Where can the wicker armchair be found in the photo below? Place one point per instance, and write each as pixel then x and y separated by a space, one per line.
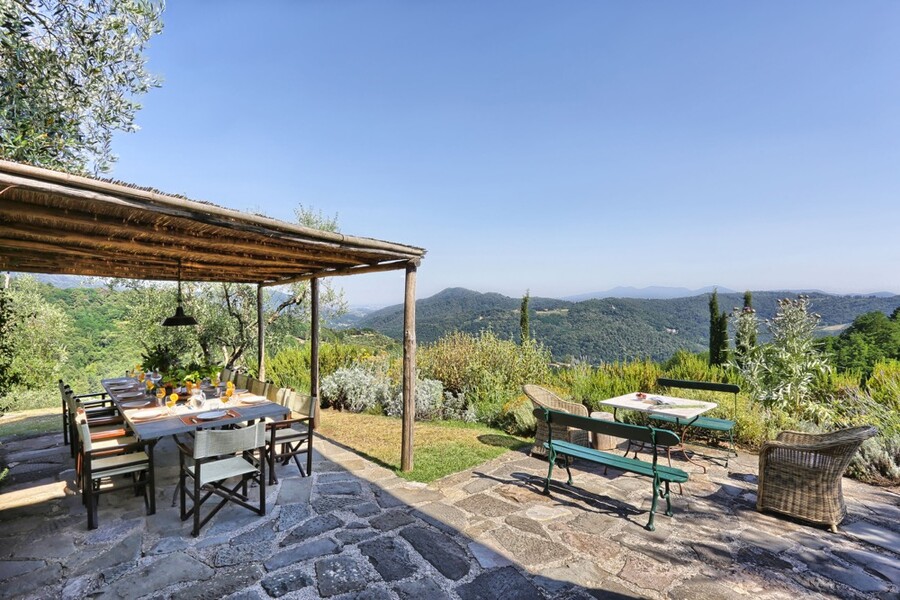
pixel 800 473
pixel 542 398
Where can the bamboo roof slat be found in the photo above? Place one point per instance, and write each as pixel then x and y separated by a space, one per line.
pixel 55 222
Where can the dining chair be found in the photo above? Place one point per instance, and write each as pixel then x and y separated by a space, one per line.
pixel 103 467
pixel 240 381
pixel 104 420
pixel 289 438
pixel 226 375
pixel 218 455
pixel 91 400
pixel 108 438
pixel 256 386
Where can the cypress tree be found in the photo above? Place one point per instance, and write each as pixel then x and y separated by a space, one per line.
pixel 714 328
pixel 748 306
pixel 718 332
pixel 524 334
pixel 722 338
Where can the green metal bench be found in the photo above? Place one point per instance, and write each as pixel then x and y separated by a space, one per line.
pixel 711 424
pixel 652 437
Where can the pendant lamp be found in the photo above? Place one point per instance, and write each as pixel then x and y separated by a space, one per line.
pixel 179 319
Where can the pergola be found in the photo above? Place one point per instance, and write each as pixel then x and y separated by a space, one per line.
pixel 54 222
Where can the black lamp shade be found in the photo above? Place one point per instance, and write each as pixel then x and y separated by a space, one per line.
pixel 179 319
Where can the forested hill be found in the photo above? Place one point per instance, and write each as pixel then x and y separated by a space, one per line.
pixel 606 329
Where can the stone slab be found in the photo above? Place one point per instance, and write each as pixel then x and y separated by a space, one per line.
pixel 225 582
pixel 178 567
pixel 389 557
pixel 391 520
pixel 421 589
pixel 280 584
pixel 440 550
pixel 874 534
pixel 302 552
pixel 340 575
pixel 501 584
pixel 295 490
pixel 312 528
pixel 487 557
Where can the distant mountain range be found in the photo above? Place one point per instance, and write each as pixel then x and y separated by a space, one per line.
pixel 606 329
pixel 654 292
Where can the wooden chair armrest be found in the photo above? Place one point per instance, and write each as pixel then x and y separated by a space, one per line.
pixel 286 423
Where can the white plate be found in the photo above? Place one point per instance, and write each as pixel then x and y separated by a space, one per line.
pixel 120 380
pixel 252 400
pixel 240 390
pixel 135 403
pixel 131 395
pixel 148 413
pixel 213 414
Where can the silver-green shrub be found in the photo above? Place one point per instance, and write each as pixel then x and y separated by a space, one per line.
pixel 782 374
pixel 432 403
pixel 356 389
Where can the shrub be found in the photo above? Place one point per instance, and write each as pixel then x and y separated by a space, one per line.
pixel 356 389
pixel 484 369
pixel 516 417
pixel 432 403
pixel 782 375
pixel 589 385
pixel 878 460
pixel 693 367
pixel 290 366
pixel 884 383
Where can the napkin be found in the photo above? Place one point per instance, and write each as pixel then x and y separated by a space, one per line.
pixel 663 401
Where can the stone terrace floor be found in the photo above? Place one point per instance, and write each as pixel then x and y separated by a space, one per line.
pixel 355 530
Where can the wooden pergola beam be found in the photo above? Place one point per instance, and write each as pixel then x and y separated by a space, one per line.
pixel 59 223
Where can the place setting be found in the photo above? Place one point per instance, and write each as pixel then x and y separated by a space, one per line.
pixel 148 414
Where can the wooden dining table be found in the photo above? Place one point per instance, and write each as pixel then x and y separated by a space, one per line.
pixel 134 402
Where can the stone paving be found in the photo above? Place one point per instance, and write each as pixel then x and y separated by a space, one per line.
pixel 355 530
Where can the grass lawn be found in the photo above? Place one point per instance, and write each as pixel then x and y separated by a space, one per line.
pixel 440 447
pixel 25 422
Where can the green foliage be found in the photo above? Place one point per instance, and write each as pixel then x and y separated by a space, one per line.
pixel 8 377
pixel 70 73
pixel 690 366
pixel 160 358
pixel 524 333
pixel 516 417
pixel 782 374
pixel 486 369
pixel 290 367
pixel 590 385
pixel 746 326
pixel 718 332
pixel 884 384
pixel 600 330
pixel 39 334
pixel 870 338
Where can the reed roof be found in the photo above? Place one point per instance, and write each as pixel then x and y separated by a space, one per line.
pixel 54 222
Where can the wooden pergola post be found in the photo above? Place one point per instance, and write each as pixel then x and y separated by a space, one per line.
pixel 409 367
pixel 314 350
pixel 261 333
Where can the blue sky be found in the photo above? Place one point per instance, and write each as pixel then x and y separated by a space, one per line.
pixel 560 147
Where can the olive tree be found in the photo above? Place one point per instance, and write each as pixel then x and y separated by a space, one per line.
pixel 70 76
